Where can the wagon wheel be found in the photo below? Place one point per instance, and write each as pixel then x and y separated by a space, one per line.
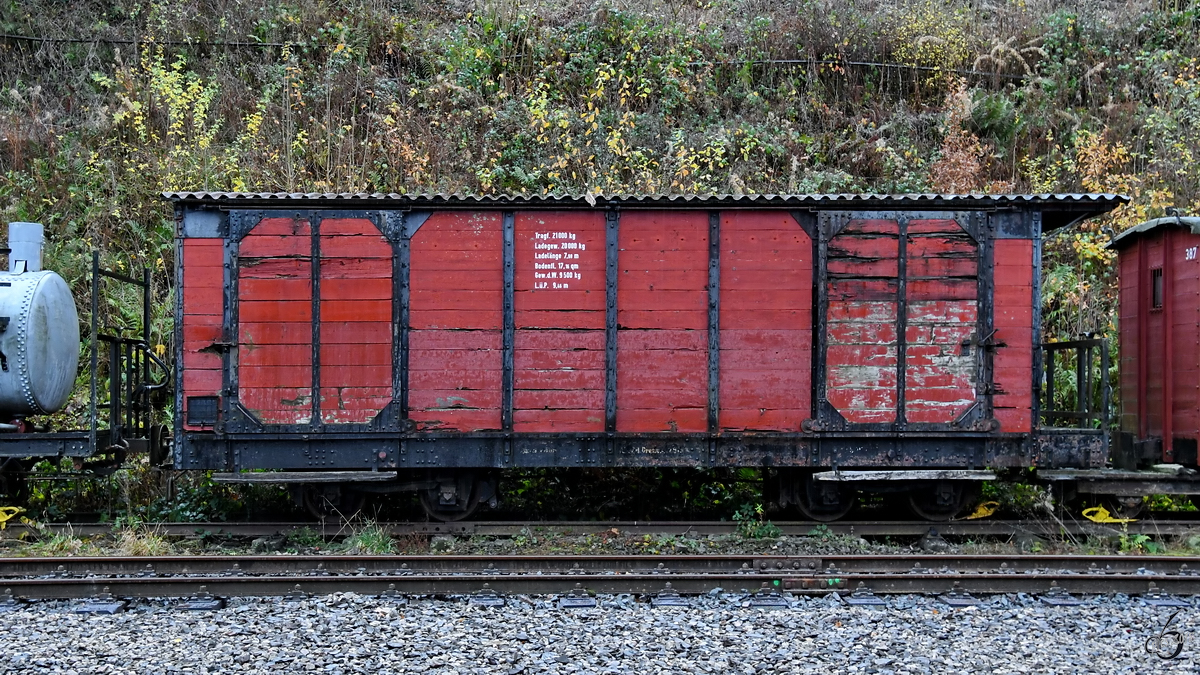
pixel 452 501
pixel 14 484
pixel 944 500
pixel 324 501
pixel 1124 506
pixel 823 501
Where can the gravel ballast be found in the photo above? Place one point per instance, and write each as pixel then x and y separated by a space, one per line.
pixel 718 634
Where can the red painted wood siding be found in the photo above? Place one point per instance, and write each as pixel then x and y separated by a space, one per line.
pixel 1012 365
pixel 356 321
pixel 1187 334
pixel 766 322
pixel 1153 394
pixel 275 321
pixel 559 298
pixel 863 289
pixel 456 309
pixel 662 319
pixel 942 286
pixel 1181 295
pixel 203 307
pixel 1129 302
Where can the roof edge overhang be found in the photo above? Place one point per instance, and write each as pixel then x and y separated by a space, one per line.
pixel 1183 222
pixel 1059 210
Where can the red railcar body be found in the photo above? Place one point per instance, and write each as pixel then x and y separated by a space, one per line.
pixel 1160 350
pixel 392 332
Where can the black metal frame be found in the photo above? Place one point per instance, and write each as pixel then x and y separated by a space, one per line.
pixel 962 444
pixel 975 225
pixel 1086 414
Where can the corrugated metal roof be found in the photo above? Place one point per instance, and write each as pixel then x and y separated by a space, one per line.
pixel 1190 222
pixel 1058 210
pixel 428 199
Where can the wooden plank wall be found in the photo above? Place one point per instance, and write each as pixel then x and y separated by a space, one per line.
pixel 559 301
pixel 275 321
pixel 356 321
pixel 1137 261
pixel 1129 303
pixel 863 291
pixel 1187 334
pixel 662 318
pixel 1012 317
pixel 942 311
pixel 766 322
pixel 456 319
pixel 203 308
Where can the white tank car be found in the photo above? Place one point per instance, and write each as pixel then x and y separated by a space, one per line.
pixel 39 330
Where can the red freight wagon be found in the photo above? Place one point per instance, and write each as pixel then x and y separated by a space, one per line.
pixel 1160 352
pixel 388 342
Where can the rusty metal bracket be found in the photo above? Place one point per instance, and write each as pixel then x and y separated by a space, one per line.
pixel 486 597
pixel 1059 597
pixel 576 598
pixel 863 597
pixel 668 597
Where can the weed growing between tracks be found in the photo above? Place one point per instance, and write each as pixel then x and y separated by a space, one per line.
pixel 138 539
pixel 369 538
pixel 47 543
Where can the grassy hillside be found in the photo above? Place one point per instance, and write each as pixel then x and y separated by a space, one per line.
pixel 114 102
pixel 105 104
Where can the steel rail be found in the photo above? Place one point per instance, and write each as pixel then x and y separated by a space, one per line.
pixel 298 576
pixel 687 584
pixel 579 565
pixel 866 528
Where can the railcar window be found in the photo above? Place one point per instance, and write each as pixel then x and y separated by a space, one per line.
pixel 1156 286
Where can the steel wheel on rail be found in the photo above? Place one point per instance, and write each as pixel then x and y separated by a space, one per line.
pixel 1120 506
pixel 943 500
pixel 457 496
pixel 325 501
pixel 823 501
pixel 14 484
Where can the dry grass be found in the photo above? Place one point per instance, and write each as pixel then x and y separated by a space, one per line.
pixel 139 540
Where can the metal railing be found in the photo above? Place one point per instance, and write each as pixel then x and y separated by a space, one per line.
pixel 1075 384
pixel 129 386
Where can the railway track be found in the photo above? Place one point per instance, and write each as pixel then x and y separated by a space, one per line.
pixel 865 528
pixel 954 576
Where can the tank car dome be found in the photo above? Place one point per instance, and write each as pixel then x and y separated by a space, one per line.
pixel 39 338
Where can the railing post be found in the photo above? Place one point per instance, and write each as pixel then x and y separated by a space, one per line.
pixel 1048 410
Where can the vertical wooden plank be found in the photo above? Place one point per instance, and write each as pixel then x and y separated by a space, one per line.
pixel 1012 365
pixel 560 290
pixel 355 302
pixel 275 375
pixel 662 316
pixel 456 300
pixel 203 303
pixel 765 322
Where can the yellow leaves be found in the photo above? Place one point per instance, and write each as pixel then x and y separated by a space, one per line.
pixel 930 35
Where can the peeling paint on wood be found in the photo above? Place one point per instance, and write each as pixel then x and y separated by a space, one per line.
pixel 203 305
pixel 940 315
